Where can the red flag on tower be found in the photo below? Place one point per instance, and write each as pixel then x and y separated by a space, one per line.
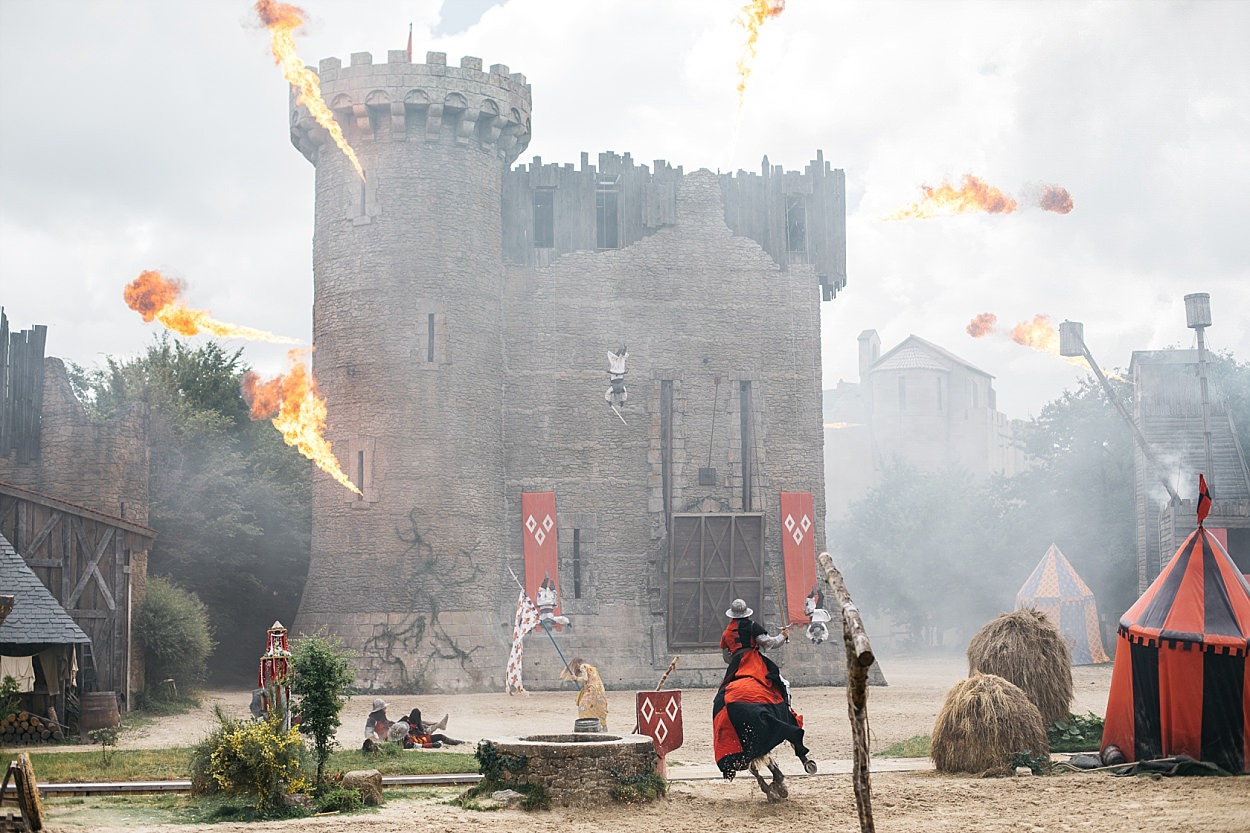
pixel 410 43
pixel 1204 499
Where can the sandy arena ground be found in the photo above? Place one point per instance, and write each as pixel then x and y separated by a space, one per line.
pixel 915 800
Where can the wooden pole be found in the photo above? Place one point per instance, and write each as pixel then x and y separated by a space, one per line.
pixel 859 659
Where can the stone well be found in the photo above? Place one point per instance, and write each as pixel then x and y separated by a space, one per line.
pixel 577 769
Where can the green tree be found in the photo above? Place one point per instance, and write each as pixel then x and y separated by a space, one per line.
pixel 173 628
pixel 322 674
pixel 231 501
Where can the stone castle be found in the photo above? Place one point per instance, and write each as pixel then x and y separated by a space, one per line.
pixel 463 315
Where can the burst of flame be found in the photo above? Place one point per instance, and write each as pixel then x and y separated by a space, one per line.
pixel 751 18
pixel 1055 198
pixel 982 325
pixel 282 19
pixel 292 403
pixel 974 195
pixel 155 296
pixel 1042 336
pixel 843 424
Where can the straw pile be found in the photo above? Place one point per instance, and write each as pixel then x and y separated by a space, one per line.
pixel 1025 648
pixel 983 724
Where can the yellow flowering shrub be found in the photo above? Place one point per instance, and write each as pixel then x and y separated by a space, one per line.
pixel 251 758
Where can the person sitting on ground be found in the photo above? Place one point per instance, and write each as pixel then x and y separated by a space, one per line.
pixel 378 725
pixel 420 735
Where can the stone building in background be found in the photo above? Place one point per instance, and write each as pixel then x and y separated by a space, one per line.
pixel 464 313
pixel 917 404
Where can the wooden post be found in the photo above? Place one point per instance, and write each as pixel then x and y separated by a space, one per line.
pixel 859 659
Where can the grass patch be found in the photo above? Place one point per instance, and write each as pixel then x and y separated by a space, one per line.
pixel 174 763
pixel 916 746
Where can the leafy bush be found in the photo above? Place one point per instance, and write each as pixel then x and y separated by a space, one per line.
pixel 322 672
pixel 250 758
pixel 10 698
pixel 339 799
pixel 1079 733
pixel 173 627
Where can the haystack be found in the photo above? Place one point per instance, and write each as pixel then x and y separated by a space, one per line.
pixel 1025 648
pixel 983 724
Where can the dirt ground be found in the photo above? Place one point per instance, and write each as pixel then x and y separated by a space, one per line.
pixel 915 800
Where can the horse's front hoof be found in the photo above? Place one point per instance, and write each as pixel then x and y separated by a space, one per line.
pixel 809 766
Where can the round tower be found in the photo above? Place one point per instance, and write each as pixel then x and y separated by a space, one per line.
pixel 407 328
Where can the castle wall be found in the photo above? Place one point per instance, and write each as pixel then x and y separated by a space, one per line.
pixel 102 466
pixel 702 309
pixel 462 365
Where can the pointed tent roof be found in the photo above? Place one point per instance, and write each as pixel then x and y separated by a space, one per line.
pixel 37 617
pixel 1200 597
pixel 1054 577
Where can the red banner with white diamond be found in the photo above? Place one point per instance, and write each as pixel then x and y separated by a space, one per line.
pixel 798 551
pixel 538 536
pixel 659 718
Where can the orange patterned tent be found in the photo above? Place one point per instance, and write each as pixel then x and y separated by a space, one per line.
pixel 1055 589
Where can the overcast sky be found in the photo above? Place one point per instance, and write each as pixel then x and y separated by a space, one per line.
pixel 152 134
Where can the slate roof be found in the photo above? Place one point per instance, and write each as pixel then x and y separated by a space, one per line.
pixel 915 352
pixel 37 616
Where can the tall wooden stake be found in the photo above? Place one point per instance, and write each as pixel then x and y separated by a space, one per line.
pixel 859 659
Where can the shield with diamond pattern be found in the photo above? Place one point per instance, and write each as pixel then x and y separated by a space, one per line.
pixel 659 718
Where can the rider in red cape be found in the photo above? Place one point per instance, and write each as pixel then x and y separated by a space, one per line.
pixel 751 713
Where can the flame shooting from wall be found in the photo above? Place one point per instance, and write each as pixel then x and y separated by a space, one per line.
pixel 843 424
pixel 292 403
pixel 282 19
pixel 155 296
pixel 751 18
pixel 974 195
pixel 1037 334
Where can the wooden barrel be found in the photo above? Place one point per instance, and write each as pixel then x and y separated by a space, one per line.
pixel 99 711
pixel 587 724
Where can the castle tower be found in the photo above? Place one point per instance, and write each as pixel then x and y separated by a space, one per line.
pixel 407 326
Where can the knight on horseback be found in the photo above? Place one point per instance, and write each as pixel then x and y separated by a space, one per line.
pixel 751 714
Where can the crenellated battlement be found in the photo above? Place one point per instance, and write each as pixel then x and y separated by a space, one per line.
pixel 432 102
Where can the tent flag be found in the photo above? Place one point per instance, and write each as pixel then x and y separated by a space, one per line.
pixel 798 553
pixel 1204 499
pixel 1181 683
pixel 1055 589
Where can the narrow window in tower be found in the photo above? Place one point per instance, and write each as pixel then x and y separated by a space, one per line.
pixel 544 218
pixel 364 210
pixel 902 393
pixel 939 394
pixel 748 444
pixel 429 338
pixel 607 213
pixel 577 563
pixel 360 474
pixel 796 223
